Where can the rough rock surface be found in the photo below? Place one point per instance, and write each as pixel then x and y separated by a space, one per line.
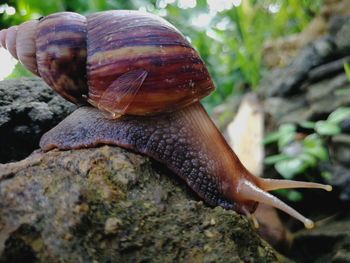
pixel 28 108
pixel 314 83
pixel 108 205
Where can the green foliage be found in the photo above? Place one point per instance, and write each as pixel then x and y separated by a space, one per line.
pixel 297 155
pixel 228 37
pixel 19 71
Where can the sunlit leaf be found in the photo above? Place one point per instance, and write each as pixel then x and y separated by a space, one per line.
pixel 327 128
pixel 347 70
pixel 319 152
pixel 271 137
pixel 289 168
pixel 307 124
pixel 339 115
pixel 285 139
pixel 272 159
pixel 308 159
pixel 287 128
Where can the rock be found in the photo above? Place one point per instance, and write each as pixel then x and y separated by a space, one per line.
pixel 314 83
pixel 333 15
pixel 341 149
pixel 28 108
pixel 340 179
pixel 342 37
pixel 287 81
pixel 109 205
pixel 328 243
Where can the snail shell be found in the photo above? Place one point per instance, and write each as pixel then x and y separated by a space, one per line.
pixel 122 62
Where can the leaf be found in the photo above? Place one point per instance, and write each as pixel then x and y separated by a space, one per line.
pixel 287 134
pixel 287 128
pixel 347 70
pixel 271 137
pixel 272 159
pixel 319 152
pixel 313 145
pixel 339 115
pixel 327 128
pixel 285 139
pixel 289 168
pixel 312 140
pixel 294 196
pixel 308 159
pixel 307 124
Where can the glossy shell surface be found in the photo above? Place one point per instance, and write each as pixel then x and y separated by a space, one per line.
pixel 122 62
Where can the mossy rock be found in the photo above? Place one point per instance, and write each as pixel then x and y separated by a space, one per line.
pixel 109 205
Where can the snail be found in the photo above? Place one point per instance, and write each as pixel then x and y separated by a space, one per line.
pixel 139 83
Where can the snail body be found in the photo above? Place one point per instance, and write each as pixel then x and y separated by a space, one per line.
pixel 144 81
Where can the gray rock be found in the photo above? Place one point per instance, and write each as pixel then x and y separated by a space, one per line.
pixel 341 149
pixel 342 37
pixel 28 108
pixel 108 205
pixel 288 81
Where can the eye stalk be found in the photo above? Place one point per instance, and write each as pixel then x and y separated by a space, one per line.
pixel 250 191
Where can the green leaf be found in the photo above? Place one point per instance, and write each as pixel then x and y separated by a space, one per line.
pixel 285 139
pixel 287 128
pixel 289 168
pixel 271 137
pixel 327 128
pixel 272 159
pixel 347 70
pixel 294 196
pixel 319 152
pixel 313 145
pixel 339 115
pixel 307 124
pixel 312 140
pixel 308 159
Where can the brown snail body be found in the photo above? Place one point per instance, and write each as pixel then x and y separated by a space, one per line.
pixel 128 63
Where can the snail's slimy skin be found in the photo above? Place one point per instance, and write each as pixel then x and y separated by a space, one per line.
pixel 188 143
pixel 184 141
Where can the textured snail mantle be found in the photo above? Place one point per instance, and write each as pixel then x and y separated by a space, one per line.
pixel 145 81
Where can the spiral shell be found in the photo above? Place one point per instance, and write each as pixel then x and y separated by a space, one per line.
pixel 123 62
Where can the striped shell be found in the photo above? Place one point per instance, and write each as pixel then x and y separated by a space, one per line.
pixel 123 62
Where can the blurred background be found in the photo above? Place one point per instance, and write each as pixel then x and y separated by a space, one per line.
pixel 229 34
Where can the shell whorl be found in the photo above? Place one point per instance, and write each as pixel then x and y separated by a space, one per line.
pixel 61 54
pixel 20 42
pixel 122 62
pixel 54 49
